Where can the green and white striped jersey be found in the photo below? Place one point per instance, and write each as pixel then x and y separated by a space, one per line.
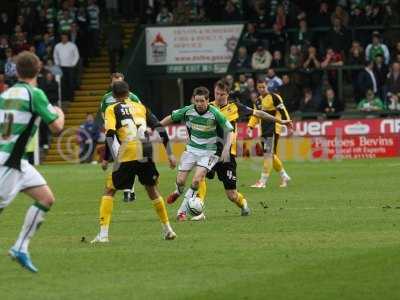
pixel 109 99
pixel 204 128
pixel 21 108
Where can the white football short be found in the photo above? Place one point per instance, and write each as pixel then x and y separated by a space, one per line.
pixel 189 160
pixel 13 181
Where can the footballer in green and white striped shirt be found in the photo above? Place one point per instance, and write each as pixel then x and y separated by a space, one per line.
pixel 210 135
pixel 21 108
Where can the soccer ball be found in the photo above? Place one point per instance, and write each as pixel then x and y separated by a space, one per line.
pixel 195 206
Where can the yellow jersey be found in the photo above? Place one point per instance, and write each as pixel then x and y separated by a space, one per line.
pixel 128 121
pixel 232 111
pixel 273 104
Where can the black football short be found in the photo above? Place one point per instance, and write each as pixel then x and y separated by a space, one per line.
pixel 270 143
pixel 226 172
pixel 124 176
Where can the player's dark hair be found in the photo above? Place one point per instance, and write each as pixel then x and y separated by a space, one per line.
pixel 201 91
pixel 117 75
pixel 222 85
pixel 120 89
pixel 261 81
pixel 28 65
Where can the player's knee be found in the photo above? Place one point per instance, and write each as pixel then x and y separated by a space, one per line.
pixel 48 200
pixel 109 192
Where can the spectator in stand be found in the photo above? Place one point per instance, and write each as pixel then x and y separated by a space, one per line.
pixel 231 12
pixel 311 73
pixel 10 68
pixel 239 87
pixel 273 81
pixel 370 102
pixel 51 67
pixel 79 38
pixel 89 133
pixel 3 84
pixel 293 60
pixel 93 13
pixel 229 80
pixel 20 43
pixel 250 38
pixel 356 54
pixel 290 93
pixel 66 56
pixel 6 26
pixel 250 88
pixel 396 51
pixel 4 45
pixel 261 59
pixel 376 15
pixel 377 48
pixel 340 14
pixel 280 18
pixel 393 87
pixel 304 37
pixel 277 60
pixel 366 81
pixel 307 102
pixel 322 18
pixel 181 14
pixel 65 22
pixel 338 37
pixel 242 60
pixel 358 19
pixel 332 59
pixel 329 103
pixel 50 87
pixel 165 17
pixel 277 39
pixel 380 71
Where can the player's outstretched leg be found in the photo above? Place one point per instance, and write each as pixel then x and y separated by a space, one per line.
pixel 239 200
pixel 33 219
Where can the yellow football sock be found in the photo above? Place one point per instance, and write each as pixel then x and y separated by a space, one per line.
pixel 106 207
pixel 267 165
pixel 277 163
pixel 160 209
pixel 240 201
pixel 202 191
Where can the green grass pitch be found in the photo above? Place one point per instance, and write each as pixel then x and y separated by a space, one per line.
pixel 333 234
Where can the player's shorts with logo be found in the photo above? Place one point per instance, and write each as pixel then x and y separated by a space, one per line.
pixel 13 181
pixel 190 160
pixel 226 172
pixel 124 176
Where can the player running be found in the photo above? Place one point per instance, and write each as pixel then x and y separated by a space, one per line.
pixel 270 132
pixel 205 124
pixel 106 101
pixel 226 171
pixel 21 108
pixel 128 121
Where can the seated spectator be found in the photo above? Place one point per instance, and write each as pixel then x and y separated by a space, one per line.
pixel 356 54
pixel 303 38
pixel 329 103
pixel 250 38
pixel 242 60
pixel 380 71
pixel 10 68
pixel 250 88
pixel 377 48
pixel 230 12
pixel 322 17
pixel 370 102
pixel 89 133
pixel 239 87
pixel 277 39
pixel 280 18
pixel 332 59
pixel 273 81
pixel 51 67
pixel 311 68
pixel 277 60
pixel 20 43
pixel 393 87
pixel 6 25
pixel 358 19
pixel 290 93
pixel 396 51
pixel 375 17
pixel 366 81
pixel 340 14
pixel 307 102
pixel 293 60
pixel 229 80
pixel 181 13
pixel 164 17
pixel 261 59
pixel 4 45
pixel 338 37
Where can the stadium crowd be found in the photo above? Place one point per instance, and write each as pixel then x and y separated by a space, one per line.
pixel 298 47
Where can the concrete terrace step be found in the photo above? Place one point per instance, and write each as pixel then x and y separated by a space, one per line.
pixel 96 81
pixel 95 92
pixel 99 86
pixel 98 70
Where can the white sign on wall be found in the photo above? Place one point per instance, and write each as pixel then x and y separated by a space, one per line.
pixel 212 44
